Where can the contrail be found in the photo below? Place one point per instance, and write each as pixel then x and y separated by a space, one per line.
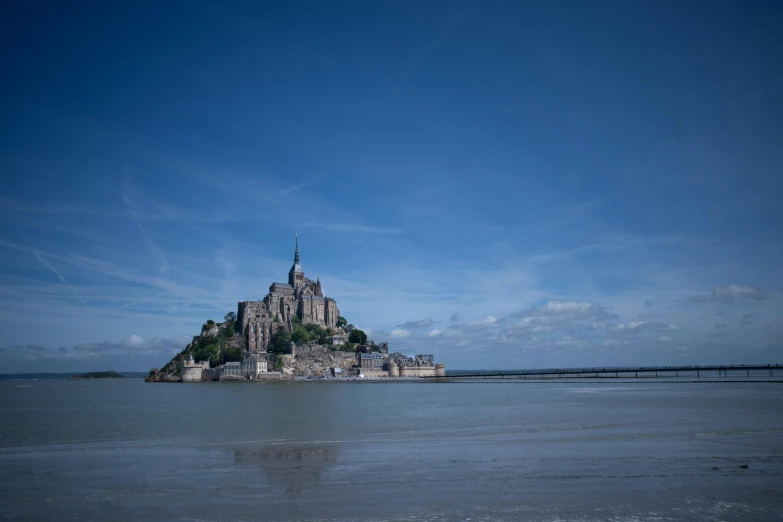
pixel 153 249
pixel 295 187
pixel 41 259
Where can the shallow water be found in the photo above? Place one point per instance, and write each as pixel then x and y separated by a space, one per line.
pixel 549 451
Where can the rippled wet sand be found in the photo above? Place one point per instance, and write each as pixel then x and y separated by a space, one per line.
pixel 125 450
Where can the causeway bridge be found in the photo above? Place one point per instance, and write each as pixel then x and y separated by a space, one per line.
pixel 723 371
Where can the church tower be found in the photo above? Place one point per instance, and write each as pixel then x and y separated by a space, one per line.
pixel 296 275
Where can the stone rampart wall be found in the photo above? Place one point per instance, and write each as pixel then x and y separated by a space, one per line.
pixel 302 349
pixel 212 374
pixel 374 372
pixel 232 378
pixel 418 371
pixel 268 376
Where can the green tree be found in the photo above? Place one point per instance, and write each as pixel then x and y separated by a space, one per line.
pixel 232 355
pixel 358 337
pixel 348 347
pixel 300 335
pixel 280 340
pixel 228 331
pixel 342 321
pixel 230 317
pixel 314 329
pixel 209 352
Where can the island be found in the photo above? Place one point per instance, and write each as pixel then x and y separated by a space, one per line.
pixel 111 374
pixel 295 332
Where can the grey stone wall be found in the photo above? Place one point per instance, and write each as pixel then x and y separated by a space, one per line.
pixel 256 319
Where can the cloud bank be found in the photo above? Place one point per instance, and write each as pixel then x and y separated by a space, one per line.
pixel 733 292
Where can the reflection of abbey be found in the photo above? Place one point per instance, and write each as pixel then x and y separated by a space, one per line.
pixel 299 297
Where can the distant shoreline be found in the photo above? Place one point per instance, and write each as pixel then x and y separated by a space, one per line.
pixel 715 373
pixel 440 380
pixel 62 376
pixel 458 380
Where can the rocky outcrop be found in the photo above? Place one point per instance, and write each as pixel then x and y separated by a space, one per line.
pixel 309 360
pixel 318 361
pixel 211 331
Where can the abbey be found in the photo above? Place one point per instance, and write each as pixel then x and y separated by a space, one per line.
pixel 300 297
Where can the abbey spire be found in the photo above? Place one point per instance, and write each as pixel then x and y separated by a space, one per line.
pixel 300 298
pixel 296 275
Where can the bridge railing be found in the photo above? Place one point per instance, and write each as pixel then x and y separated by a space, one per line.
pixel 721 369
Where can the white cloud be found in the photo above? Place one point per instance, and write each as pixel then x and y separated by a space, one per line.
pixel 639 326
pixel 559 307
pixel 136 343
pixel 664 339
pixel 542 329
pixel 399 333
pixel 487 322
pixel 421 323
pixel 433 332
pixel 557 313
pixel 135 340
pixel 726 294
pixel 368 331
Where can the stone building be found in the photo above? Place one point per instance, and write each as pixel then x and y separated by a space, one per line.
pixel 338 339
pixel 231 370
pixel 253 366
pixel 371 360
pixel 300 297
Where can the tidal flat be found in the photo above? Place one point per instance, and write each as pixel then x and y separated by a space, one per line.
pixel 543 451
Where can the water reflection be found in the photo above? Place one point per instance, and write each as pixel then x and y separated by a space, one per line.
pixel 293 468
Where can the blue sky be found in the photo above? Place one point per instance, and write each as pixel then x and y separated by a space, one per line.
pixel 504 185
